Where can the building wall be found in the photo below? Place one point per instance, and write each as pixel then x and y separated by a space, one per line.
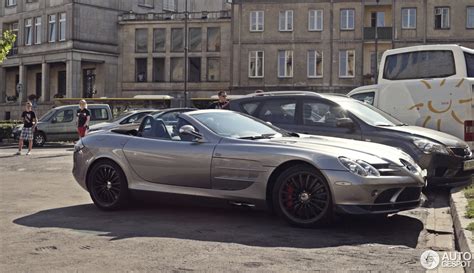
pixel 127 69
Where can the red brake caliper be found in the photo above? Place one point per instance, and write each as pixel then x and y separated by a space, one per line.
pixel 289 202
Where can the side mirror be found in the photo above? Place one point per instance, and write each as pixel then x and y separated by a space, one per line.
pixel 189 130
pixel 345 123
pixel 54 120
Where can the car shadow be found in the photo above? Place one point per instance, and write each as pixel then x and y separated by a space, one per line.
pixel 229 225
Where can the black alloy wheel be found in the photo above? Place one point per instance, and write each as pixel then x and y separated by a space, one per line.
pixel 108 186
pixel 302 196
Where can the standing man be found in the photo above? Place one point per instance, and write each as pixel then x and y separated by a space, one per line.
pixel 83 119
pixel 29 124
pixel 221 103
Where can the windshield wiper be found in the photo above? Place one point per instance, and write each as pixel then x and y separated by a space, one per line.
pixel 402 124
pixel 262 136
pixel 383 125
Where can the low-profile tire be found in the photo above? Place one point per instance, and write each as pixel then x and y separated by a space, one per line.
pixel 301 196
pixel 39 139
pixel 108 186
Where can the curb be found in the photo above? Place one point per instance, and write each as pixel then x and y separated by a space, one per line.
pixel 463 237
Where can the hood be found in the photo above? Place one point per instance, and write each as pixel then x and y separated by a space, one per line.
pixel 100 126
pixel 372 153
pixel 443 138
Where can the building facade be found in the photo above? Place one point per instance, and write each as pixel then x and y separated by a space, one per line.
pixel 152 54
pixel 69 48
pixel 123 48
pixel 330 45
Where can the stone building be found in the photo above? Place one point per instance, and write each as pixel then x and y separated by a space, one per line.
pixel 330 45
pixel 152 54
pixel 69 48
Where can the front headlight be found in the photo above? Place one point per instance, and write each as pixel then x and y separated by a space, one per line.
pixel 359 167
pixel 429 147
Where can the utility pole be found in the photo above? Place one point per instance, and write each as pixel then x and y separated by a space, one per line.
pixel 376 76
pixel 186 54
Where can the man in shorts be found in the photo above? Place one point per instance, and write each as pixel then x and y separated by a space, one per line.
pixel 29 124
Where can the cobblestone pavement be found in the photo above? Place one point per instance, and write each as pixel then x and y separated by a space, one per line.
pixel 48 223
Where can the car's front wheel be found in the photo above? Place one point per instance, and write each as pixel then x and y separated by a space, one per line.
pixel 302 196
pixel 108 186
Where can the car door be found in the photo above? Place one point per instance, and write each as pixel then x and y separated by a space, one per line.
pixel 320 117
pixel 280 112
pixel 172 161
pixel 61 126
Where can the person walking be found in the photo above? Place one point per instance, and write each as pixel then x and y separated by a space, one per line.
pixel 221 103
pixel 29 123
pixel 83 119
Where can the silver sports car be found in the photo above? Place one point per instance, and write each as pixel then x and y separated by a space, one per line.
pixel 232 156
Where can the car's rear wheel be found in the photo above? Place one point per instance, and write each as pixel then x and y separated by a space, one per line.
pixel 302 197
pixel 108 186
pixel 39 139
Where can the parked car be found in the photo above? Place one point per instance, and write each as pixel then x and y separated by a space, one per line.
pixel 448 159
pixel 129 117
pixel 59 124
pixel 169 117
pixel 427 85
pixel 235 157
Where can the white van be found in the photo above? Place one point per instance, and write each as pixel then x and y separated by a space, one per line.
pixel 430 86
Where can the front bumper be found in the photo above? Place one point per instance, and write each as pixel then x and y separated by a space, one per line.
pixel 446 170
pixel 375 195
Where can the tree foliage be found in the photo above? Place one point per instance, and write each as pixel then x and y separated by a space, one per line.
pixel 6 44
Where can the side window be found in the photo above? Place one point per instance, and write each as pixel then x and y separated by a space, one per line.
pixel 99 114
pixel 250 107
pixel 419 65
pixel 64 116
pixel 279 111
pixel 365 97
pixel 321 114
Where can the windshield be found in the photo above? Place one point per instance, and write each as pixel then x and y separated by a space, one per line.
pixel 47 116
pixel 123 115
pixel 236 125
pixel 369 113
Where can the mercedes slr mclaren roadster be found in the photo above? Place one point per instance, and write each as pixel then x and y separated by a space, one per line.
pixel 235 157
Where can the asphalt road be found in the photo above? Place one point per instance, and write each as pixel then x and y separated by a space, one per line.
pixel 48 223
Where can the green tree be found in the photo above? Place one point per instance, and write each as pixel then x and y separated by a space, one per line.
pixel 6 44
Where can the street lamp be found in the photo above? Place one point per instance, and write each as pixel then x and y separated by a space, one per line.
pixel 376 43
pixel 186 53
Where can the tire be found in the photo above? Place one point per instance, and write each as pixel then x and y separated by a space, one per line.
pixel 39 139
pixel 108 186
pixel 301 196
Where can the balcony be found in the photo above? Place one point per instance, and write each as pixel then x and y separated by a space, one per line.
pixel 204 15
pixel 384 33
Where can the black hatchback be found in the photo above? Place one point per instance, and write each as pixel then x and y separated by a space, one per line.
pixel 447 159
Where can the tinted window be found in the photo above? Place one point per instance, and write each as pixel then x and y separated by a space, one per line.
pixel 64 116
pixel 369 113
pixel 469 64
pixel 365 97
pixel 279 111
pixel 99 114
pixel 419 65
pixel 321 114
pixel 250 107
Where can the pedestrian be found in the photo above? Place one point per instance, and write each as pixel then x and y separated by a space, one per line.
pixel 29 123
pixel 221 103
pixel 83 119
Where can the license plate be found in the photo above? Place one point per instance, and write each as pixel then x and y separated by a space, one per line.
pixel 469 165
